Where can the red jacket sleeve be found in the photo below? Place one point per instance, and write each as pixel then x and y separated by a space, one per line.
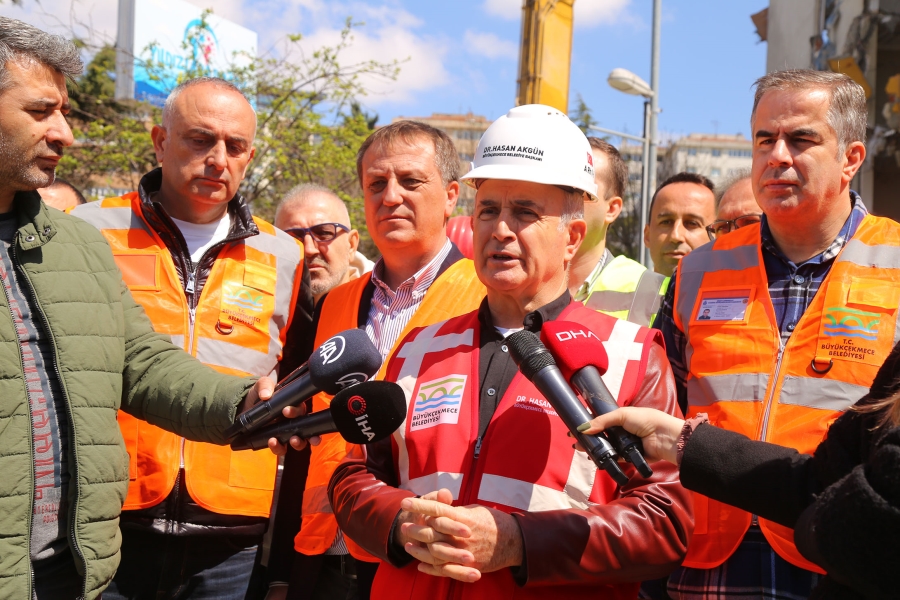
pixel 641 535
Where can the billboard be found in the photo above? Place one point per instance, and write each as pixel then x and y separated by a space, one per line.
pixel 170 37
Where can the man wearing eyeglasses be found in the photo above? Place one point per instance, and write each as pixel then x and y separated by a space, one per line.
pixel 318 218
pixel 227 287
pixel 736 206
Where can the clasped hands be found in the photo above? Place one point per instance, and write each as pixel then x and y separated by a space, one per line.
pixel 460 542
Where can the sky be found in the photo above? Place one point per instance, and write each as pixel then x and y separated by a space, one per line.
pixel 462 56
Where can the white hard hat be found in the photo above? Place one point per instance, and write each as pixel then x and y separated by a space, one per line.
pixel 535 143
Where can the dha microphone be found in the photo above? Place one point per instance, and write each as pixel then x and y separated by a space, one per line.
pixel 346 359
pixel 583 360
pixel 538 366
pixel 363 413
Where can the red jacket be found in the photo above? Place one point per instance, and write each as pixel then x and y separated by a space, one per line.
pixel 577 541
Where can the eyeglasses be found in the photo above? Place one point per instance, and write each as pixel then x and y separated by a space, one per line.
pixel 323 232
pixel 722 227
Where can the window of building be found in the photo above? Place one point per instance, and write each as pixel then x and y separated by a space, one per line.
pixel 692 152
pixel 716 152
pixel 691 170
pixel 715 173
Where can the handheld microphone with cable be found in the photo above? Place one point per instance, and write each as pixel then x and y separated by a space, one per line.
pixel 363 413
pixel 583 360
pixel 538 366
pixel 346 359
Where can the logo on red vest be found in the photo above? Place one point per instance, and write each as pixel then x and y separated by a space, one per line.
pixel 438 402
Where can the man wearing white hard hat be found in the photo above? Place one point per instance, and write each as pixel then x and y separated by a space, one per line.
pixel 480 493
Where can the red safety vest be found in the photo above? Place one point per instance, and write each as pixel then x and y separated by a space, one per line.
pixel 456 291
pixel 437 366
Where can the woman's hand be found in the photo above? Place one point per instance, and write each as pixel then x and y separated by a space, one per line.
pixel 659 432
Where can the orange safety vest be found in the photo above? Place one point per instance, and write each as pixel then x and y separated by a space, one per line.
pixel 435 447
pixel 747 381
pixel 455 292
pixel 239 327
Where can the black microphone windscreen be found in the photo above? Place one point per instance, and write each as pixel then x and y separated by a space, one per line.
pixel 528 353
pixel 368 412
pixel 344 360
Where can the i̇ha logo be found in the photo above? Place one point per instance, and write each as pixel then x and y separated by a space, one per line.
pixel 356 405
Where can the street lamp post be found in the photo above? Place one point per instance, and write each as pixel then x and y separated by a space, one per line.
pixel 626 81
pixel 629 83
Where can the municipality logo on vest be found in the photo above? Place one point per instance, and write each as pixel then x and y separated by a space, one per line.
pixel 850 323
pixel 242 297
pixel 438 401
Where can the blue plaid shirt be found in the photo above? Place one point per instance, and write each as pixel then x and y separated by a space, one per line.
pixel 791 287
pixel 755 569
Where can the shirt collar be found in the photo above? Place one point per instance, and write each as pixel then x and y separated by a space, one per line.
pixel 857 214
pixel 534 320
pixel 585 289
pixel 421 280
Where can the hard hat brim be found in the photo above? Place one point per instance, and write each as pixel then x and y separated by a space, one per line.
pixel 517 173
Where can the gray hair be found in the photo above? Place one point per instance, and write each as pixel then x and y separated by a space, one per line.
pixel 298 195
pixel 218 82
pixel 20 42
pixel 736 176
pixel 847 114
pixel 573 207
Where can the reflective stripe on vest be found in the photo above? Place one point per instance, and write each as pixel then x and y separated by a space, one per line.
pixel 742 376
pixel 239 327
pixel 626 289
pixel 456 291
pixel 438 369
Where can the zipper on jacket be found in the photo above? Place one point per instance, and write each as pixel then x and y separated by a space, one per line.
pixel 30 441
pixel 477 448
pixel 73 475
pixel 768 409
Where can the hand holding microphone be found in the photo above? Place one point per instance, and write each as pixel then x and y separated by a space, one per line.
pixel 362 414
pixel 539 367
pixel 583 360
pixel 346 359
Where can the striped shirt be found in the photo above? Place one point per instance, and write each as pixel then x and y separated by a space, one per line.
pixel 392 310
pixel 389 314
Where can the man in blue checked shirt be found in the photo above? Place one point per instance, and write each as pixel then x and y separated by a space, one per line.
pixel 802 310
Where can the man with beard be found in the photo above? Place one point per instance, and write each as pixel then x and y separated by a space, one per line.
pixel 318 218
pixel 74 348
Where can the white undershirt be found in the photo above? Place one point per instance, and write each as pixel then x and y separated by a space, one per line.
pixel 507 331
pixel 201 237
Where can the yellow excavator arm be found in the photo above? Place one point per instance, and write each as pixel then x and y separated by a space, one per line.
pixel 545 53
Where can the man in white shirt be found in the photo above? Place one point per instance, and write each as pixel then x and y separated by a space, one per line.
pixel 226 287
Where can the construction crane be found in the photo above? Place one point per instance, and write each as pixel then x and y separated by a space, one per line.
pixel 545 53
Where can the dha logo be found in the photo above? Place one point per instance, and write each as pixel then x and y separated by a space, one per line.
pixel 332 349
pixel 203 41
pixel 565 336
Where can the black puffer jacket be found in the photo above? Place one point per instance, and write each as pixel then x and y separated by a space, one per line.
pixel 843 501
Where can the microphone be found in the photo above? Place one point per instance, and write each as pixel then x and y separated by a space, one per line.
pixel 346 359
pixel 538 366
pixel 363 413
pixel 582 360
